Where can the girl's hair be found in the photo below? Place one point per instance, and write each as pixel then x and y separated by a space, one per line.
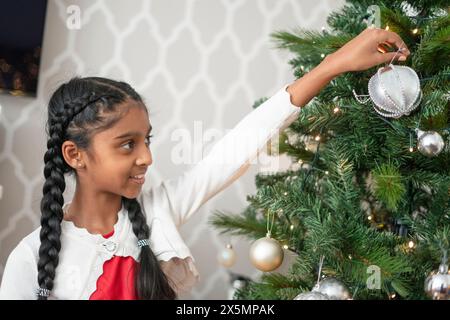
pixel 77 110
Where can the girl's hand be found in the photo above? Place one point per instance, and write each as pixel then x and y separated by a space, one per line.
pixel 362 52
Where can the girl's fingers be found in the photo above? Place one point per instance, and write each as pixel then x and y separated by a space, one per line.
pixel 388 56
pixel 392 37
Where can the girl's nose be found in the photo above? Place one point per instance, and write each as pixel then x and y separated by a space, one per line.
pixel 145 158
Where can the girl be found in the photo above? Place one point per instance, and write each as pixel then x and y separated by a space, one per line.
pixel 114 242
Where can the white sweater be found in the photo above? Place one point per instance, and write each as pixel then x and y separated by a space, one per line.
pixel 166 206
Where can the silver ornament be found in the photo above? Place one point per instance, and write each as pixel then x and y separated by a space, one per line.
pixel 227 257
pixel 429 143
pixel 395 91
pixel 437 284
pixel 333 288
pixel 266 254
pixel 313 295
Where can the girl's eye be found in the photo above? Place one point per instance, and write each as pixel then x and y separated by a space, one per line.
pixel 132 143
pixel 148 139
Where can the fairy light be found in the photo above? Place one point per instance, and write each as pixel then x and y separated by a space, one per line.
pixel 369 218
pixel 291 227
pixel 323 28
pixel 411 244
pixel 317 138
pixel 300 161
pixel 285 247
pixel 285 193
pixel 411 149
pixel 387 28
pixel 302 67
pixel 350 257
pixel 336 110
pixel 322 55
pixel 327 173
pixel 415 31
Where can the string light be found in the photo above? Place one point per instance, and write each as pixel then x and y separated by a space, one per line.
pixel 323 28
pixel 350 257
pixel 411 149
pixel 387 28
pixel 369 217
pixel 411 244
pixel 285 247
pixel 317 138
pixel 292 227
pixel 302 67
pixel 327 173
pixel 322 55
pixel 415 31
pixel 300 161
pixel 285 193
pixel 392 296
pixel 336 110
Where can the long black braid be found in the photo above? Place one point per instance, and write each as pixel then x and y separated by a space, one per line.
pixel 149 270
pixel 77 110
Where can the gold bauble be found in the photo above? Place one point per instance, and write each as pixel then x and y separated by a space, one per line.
pixel 266 254
pixel 227 257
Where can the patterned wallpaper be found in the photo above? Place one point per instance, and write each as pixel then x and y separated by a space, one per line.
pixel 197 63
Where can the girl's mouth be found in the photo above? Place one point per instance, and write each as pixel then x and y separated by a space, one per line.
pixel 139 179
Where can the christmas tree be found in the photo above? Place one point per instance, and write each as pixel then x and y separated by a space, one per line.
pixel 365 205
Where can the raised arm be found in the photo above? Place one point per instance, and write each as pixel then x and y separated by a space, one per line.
pixel 231 156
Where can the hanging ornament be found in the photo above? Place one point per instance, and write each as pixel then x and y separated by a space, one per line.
pixel 227 257
pixel 313 295
pixel 333 288
pixel 437 284
pixel 395 91
pixel 266 254
pixel 429 143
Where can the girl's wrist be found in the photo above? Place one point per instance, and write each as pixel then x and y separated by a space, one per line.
pixel 331 66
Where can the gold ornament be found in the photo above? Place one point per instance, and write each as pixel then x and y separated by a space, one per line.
pixel 227 257
pixel 266 254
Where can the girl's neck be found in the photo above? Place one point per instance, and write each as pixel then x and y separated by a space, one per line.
pixel 97 213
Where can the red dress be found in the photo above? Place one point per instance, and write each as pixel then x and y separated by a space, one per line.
pixel 117 280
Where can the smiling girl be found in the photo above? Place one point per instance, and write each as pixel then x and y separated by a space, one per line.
pixel 113 241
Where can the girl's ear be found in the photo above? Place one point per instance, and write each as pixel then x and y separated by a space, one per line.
pixel 72 154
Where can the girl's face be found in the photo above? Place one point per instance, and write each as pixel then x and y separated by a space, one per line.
pixel 121 153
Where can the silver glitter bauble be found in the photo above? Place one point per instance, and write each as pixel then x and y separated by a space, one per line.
pixel 227 257
pixel 429 143
pixel 266 254
pixel 437 284
pixel 333 288
pixel 313 295
pixel 395 91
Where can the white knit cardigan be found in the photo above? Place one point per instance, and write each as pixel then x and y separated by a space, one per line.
pixel 166 206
